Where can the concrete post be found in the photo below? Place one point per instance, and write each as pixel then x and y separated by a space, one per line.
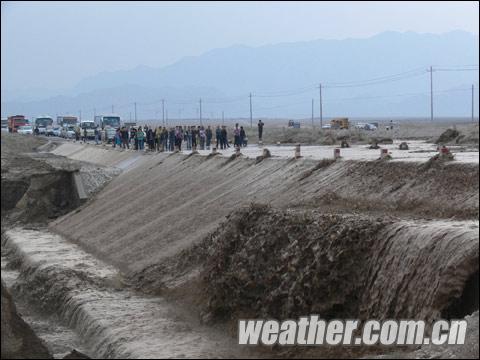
pixel 297 151
pixel 383 153
pixel 336 153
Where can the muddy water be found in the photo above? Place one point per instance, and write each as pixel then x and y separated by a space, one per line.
pixel 113 321
pixel 60 339
pixel 416 269
pixel 340 266
pixel 419 268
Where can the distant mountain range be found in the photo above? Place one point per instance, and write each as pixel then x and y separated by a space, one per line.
pixel 356 75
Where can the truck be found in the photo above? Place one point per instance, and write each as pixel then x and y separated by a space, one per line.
pixel 15 121
pixel 42 123
pixel 340 123
pixel 87 126
pixel 130 124
pixel 67 120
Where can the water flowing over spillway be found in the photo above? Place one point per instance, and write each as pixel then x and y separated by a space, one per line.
pixel 419 268
pixel 340 266
pixel 216 239
pixel 117 322
pixel 114 322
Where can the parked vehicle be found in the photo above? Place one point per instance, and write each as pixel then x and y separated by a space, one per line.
pixel 326 126
pixel 365 126
pixel 54 131
pixel 108 134
pixel 5 125
pixel 104 121
pixel 294 124
pixel 25 130
pixel 67 120
pixel 68 132
pixel 340 123
pixel 42 123
pixel 14 122
pixel 89 126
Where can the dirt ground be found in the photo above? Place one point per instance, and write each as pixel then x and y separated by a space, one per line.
pixel 406 130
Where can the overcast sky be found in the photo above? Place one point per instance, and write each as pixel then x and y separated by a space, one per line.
pixel 54 44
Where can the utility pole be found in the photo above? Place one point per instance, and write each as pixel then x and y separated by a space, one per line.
pixel 163 112
pixel 321 105
pixel 223 118
pixel 94 113
pixel 313 124
pixel 113 110
pixel 80 115
pixel 251 114
pixel 200 112
pixel 431 93
pixel 473 103
pixel 135 104
pixel 166 115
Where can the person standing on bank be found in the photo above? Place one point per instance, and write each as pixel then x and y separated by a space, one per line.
pixel 260 130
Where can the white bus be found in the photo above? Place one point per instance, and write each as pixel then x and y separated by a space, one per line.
pixel 104 121
pixel 42 123
pixel 87 127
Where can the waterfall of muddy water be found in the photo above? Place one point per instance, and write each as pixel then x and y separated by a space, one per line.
pixel 418 270
pixel 59 338
pixel 113 321
pixel 340 266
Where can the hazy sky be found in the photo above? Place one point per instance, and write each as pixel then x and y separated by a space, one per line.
pixel 54 45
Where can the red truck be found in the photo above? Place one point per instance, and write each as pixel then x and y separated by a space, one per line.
pixel 15 121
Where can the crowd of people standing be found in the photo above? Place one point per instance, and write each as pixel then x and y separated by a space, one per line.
pixel 180 137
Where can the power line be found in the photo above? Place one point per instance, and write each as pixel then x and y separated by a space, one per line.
pixel 307 89
pixel 437 69
pixel 286 92
pixel 376 82
pixel 397 95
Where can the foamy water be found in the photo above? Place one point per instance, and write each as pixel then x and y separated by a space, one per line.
pixel 113 321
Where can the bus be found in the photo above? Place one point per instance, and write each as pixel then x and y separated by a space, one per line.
pixel 87 128
pixel 104 121
pixel 67 120
pixel 42 123
pixel 15 121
